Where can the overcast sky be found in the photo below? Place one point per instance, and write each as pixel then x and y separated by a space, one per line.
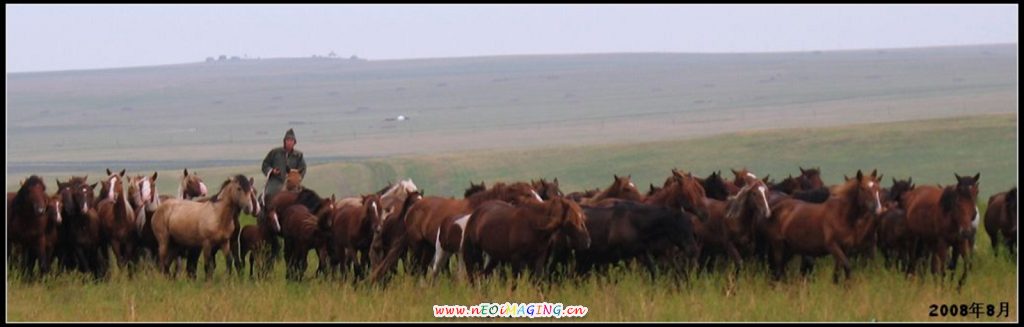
pixel 61 37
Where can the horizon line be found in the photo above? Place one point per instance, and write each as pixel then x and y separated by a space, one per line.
pixel 249 58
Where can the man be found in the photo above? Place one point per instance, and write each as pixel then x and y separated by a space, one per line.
pixel 277 163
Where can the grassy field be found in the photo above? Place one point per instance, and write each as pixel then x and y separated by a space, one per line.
pixel 929 150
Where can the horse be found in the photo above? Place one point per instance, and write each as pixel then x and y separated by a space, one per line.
pixel 519 234
pixel 729 227
pixel 1001 221
pixel 938 218
pixel 144 199
pixel 293 182
pixel 892 236
pixel 105 192
pixel 715 187
pixel 304 229
pixel 474 189
pixel 29 225
pixel 425 218
pixel 547 190
pixel 117 221
pixel 628 230
pixel 811 229
pixel 810 179
pixel 621 188
pixel 80 233
pixel 202 224
pixel 579 197
pixel 388 243
pixel 190 187
pixel 351 233
pixel 652 190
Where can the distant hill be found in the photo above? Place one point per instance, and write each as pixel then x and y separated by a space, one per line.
pixel 237 110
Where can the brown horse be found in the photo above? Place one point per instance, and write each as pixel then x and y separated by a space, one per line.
pixel 351 233
pixel 29 225
pixel 190 187
pixel 732 231
pixel 520 234
pixel 1001 221
pixel 892 236
pixel 293 182
pixel 144 199
pixel 811 229
pixel 682 191
pixel 425 218
pixel 621 188
pixel 474 189
pixel 117 221
pixel 938 218
pixel 389 243
pixel 105 191
pixel 547 190
pixel 579 197
pixel 202 224
pixel 304 230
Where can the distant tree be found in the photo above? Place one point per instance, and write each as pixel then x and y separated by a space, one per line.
pixel 222 57
pixel 332 54
pixel 209 59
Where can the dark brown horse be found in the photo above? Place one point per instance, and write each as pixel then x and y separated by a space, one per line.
pixel 304 230
pixel 29 225
pixel 810 178
pixel 474 189
pixel 117 221
pixel 938 218
pixel 812 230
pixel 520 234
pixel 893 239
pixel 715 187
pixel 629 230
pixel 80 234
pixel 351 234
pixel 1001 221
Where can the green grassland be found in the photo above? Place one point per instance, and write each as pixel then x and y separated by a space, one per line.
pixel 929 150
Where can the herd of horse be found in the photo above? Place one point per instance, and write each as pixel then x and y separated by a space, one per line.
pixel 687 222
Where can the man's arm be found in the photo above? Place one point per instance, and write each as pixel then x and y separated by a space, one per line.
pixel 302 166
pixel 268 163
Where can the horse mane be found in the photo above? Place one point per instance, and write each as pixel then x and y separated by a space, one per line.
pixel 309 199
pixel 948 199
pixel 735 204
pixel 848 192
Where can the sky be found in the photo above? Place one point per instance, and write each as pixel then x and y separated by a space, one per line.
pixel 67 37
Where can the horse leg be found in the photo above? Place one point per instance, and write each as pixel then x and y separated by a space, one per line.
pixel 440 256
pixel 779 257
pixel 736 258
pixel 208 258
pixel 841 262
pixel 806 265
pixel 967 263
pixel 648 262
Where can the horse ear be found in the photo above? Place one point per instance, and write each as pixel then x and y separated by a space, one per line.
pixel 801 169
pixel 874 172
pixel 860 175
pixel 734 172
pixel 893 180
pixel 977 177
pixel 909 180
pixel 122 173
pixel 94 185
pixel 108 172
pixel 880 176
pixel 957 176
pixel 556 180
pixel 154 176
pixel 616 176
pixel 252 181
pixel 186 172
pixel 846 178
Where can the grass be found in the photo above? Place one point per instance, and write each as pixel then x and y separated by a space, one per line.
pixel 930 151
